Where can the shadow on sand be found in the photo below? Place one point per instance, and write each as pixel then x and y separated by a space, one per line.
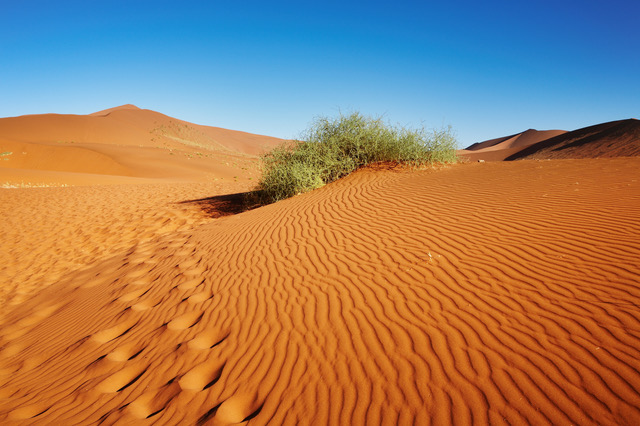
pixel 223 205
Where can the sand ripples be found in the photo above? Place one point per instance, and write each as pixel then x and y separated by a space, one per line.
pixel 484 293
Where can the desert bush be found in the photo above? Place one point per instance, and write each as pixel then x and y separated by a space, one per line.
pixel 334 147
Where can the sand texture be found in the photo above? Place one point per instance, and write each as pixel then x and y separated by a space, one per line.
pixel 497 293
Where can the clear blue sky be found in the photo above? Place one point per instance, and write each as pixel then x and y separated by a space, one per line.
pixel 488 68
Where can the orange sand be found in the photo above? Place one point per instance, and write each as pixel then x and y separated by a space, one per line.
pixel 122 145
pixel 606 140
pixel 487 293
pixel 613 139
pixel 500 148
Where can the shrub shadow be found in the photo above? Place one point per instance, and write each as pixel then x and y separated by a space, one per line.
pixel 223 205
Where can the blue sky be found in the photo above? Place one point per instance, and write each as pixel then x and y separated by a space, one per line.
pixel 488 68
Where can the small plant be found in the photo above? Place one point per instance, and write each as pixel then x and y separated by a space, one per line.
pixel 333 148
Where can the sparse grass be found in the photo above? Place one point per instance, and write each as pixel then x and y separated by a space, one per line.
pixel 333 148
pixel 13 185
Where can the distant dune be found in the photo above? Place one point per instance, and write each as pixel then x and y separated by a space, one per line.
pixel 506 292
pixel 125 141
pixel 613 139
pixel 500 148
pixel 110 110
pixel 519 140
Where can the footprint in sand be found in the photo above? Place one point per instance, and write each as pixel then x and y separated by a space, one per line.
pixel 122 379
pixel 202 376
pixel 19 328
pixel 237 409
pixel 126 352
pixel 186 320
pixel 29 411
pixel 113 333
pixel 200 297
pixel 207 339
pixel 190 284
pixel 154 401
pixel 142 281
pixel 195 272
pixel 142 306
pixel 139 274
pixel 133 295
pixel 188 264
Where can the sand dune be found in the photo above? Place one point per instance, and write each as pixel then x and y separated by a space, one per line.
pixel 129 125
pixel 50 232
pixel 501 148
pixel 613 139
pixel 108 111
pixel 486 293
pixel 122 142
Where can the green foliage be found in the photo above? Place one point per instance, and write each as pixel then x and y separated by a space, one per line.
pixel 333 148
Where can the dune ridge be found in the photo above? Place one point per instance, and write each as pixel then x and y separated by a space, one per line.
pixel 123 142
pixel 128 125
pixel 486 293
pixel 500 148
pixel 117 108
pixel 613 139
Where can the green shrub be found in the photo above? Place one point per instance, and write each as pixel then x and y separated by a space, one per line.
pixel 333 148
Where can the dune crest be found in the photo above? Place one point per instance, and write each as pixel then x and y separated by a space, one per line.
pixel 485 293
pixel 613 139
pixel 500 148
pixel 110 110
pixel 124 141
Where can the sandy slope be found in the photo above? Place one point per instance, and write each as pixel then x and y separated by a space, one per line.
pixel 50 232
pixel 122 145
pixel 500 148
pixel 128 125
pixel 519 140
pixel 486 293
pixel 613 139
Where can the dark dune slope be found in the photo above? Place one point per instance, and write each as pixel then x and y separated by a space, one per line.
pixel 613 139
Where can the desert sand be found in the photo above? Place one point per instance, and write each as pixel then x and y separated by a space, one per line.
pixel 498 292
pixel 501 148
pixel 607 140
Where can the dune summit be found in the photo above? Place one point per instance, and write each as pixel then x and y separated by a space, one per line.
pixel 495 293
pixel 500 148
pixel 613 139
pixel 122 144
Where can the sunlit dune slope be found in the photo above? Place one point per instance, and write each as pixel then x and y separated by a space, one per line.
pixel 613 139
pixel 107 111
pixel 486 293
pixel 47 233
pixel 127 125
pixel 123 141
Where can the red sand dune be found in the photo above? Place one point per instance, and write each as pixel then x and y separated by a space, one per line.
pixel 123 142
pixel 487 293
pixel 108 111
pixel 613 139
pixel 500 148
